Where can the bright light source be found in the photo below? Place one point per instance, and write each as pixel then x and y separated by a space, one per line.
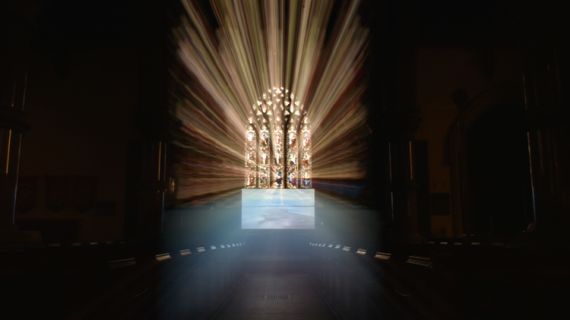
pixel 337 246
pixel 278 156
pixel 162 257
pixel 201 249
pixel 185 252
pixel 382 255
pixel 346 248
pixel 214 116
pixel 361 251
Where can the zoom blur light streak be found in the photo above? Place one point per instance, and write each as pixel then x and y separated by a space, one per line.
pixel 256 46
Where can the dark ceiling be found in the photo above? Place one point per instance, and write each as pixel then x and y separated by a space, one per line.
pixel 71 23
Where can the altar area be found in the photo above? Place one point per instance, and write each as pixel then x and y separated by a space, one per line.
pixel 278 208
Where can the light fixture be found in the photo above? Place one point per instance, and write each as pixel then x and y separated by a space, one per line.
pixel 361 252
pixel 382 255
pixel 162 257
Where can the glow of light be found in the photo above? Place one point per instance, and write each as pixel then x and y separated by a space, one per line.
pixel 282 45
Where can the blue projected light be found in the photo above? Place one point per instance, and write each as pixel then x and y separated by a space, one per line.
pixel 278 209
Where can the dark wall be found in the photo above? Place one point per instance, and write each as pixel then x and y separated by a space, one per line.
pixel 80 124
pixel 453 74
pixel 86 64
pixel 498 172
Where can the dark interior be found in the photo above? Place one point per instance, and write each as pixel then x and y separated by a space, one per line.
pixel 461 209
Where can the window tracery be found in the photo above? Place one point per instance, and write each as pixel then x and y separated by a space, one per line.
pixel 278 142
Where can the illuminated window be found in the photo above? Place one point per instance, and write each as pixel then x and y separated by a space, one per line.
pixel 278 143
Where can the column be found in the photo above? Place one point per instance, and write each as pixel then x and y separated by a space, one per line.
pixel 13 85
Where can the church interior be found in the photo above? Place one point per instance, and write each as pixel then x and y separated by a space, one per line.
pixel 284 159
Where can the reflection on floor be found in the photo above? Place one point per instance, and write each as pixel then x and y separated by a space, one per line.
pixel 284 274
pixel 278 278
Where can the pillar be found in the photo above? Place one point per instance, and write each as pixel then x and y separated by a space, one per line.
pixel 13 85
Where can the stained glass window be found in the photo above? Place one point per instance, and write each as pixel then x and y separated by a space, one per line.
pixel 278 143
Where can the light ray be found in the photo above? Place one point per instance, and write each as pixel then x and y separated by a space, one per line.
pixel 261 45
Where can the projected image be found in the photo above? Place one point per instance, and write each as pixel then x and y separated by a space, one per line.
pixel 278 209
